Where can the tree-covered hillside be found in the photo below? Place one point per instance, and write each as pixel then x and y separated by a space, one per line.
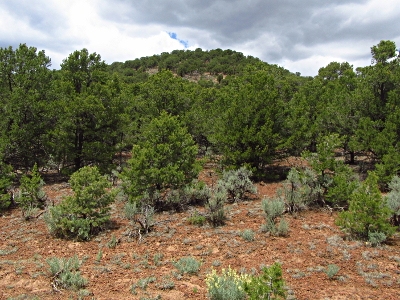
pixel 247 112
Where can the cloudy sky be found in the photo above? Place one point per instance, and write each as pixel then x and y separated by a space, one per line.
pixel 300 35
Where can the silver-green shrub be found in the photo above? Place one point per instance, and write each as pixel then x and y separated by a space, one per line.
pixel 188 265
pixel 393 199
pixel 65 273
pixel 237 183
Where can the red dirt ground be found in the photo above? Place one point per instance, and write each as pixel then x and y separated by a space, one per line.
pixel 314 242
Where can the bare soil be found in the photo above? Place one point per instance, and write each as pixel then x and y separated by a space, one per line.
pixel 313 243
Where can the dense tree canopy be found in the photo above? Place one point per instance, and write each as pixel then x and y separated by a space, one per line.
pixel 249 111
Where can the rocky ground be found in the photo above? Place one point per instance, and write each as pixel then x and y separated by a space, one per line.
pixel 119 265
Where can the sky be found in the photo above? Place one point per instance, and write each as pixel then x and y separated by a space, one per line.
pixel 299 35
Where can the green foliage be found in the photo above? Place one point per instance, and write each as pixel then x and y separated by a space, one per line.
pixel 248 130
pixel 330 181
pixel 90 113
pixel 188 265
pixel 197 219
pixel 143 215
pixel 65 273
pixel 393 200
pixel 6 179
pixel 87 211
pixel 31 194
pixel 332 270
pixel 26 98
pixel 237 183
pixel 227 286
pixel 367 211
pixel 268 285
pixel 164 159
pixel 231 285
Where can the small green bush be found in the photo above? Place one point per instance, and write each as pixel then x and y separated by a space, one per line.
pixel 65 273
pixel 268 285
pixel 197 219
pixel 188 265
pixel 367 212
pixel 87 211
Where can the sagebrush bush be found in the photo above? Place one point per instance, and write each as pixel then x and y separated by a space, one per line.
pixel 332 270
pixel 247 235
pixel 393 200
pixel 65 273
pixel 215 207
pixel 87 211
pixel 274 209
pixel 188 265
pixel 237 183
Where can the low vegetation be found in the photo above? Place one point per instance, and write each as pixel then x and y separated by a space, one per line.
pixel 117 132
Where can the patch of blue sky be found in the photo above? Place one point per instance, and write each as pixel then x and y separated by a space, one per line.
pixel 174 36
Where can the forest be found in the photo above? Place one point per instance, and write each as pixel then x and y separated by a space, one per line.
pixel 152 123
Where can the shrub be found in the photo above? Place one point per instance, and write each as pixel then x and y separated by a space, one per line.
pixel 227 286
pixel 196 219
pixel 143 215
pixel 31 194
pixel 215 206
pixel 188 265
pixel 87 211
pixel 163 159
pixel 376 238
pixel 247 235
pixel 367 211
pixel 65 273
pixel 268 285
pixel 274 209
pixel 237 183
pixel 332 270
